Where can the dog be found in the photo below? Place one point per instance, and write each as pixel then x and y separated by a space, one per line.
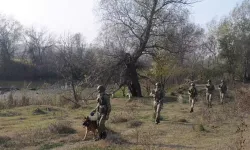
pixel 90 125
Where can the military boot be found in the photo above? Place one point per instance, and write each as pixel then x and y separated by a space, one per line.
pixel 192 110
pixel 104 135
pixel 157 121
pixel 99 137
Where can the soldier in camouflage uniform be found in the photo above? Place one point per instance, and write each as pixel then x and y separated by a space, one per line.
pixel 158 94
pixel 103 110
pixel 192 96
pixel 223 89
pixel 209 92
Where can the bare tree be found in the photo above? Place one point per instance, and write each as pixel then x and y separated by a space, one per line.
pixel 10 36
pixel 69 64
pixel 37 44
pixel 140 22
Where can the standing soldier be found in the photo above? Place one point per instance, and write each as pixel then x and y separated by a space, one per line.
pixel 209 92
pixel 158 94
pixel 223 89
pixel 192 96
pixel 103 110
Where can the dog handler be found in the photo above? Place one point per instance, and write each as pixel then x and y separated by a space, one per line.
pixel 103 110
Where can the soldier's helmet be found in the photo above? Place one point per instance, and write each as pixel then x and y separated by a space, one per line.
pixel 100 88
pixel 209 81
pixel 192 84
pixel 157 84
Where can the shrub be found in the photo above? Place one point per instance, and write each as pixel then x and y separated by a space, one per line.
pixel 24 101
pixel 182 120
pixel 4 139
pixel 38 111
pixel 201 128
pixel 10 101
pixel 61 127
pixel 134 123
pixel 121 117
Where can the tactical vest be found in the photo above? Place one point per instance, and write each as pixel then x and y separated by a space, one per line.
pixel 158 95
pixel 193 91
pixel 102 104
pixel 223 88
pixel 210 88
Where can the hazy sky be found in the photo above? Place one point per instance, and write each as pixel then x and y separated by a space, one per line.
pixel 61 16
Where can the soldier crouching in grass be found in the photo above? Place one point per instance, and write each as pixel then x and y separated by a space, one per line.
pixel 103 110
pixel 158 94
pixel 192 96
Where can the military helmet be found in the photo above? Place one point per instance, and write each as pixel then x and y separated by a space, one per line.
pixel 208 81
pixel 100 88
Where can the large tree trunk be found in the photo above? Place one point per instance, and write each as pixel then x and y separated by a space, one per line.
pixel 130 77
pixel 134 87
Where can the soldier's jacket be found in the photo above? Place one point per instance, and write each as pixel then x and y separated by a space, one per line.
pixel 223 88
pixel 192 91
pixel 103 105
pixel 158 95
pixel 209 88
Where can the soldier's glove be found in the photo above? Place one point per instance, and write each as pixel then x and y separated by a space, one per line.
pixel 92 113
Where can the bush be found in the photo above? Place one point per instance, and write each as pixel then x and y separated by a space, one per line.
pixel 201 128
pixel 118 119
pixel 38 111
pixel 9 114
pixel 2 105
pixel 4 139
pixel 62 127
pixel 10 101
pixel 24 101
pixel 182 120
pixel 134 123
pixel 121 117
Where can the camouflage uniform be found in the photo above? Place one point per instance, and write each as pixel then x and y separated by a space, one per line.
pixel 209 92
pixel 192 96
pixel 158 95
pixel 103 110
pixel 223 89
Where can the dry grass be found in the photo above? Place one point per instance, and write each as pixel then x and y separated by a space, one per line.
pixel 61 127
pixel 134 123
pixel 131 123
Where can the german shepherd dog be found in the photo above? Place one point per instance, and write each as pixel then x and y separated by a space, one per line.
pixel 90 125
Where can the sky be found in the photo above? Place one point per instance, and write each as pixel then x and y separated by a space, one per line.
pixel 61 16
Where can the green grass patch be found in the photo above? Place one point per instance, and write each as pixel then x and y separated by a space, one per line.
pixel 4 139
pixel 50 146
pixel 119 93
pixel 8 113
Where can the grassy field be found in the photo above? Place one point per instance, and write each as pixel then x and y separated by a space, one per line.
pixel 130 126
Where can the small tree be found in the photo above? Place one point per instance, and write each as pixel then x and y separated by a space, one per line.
pixel 69 64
